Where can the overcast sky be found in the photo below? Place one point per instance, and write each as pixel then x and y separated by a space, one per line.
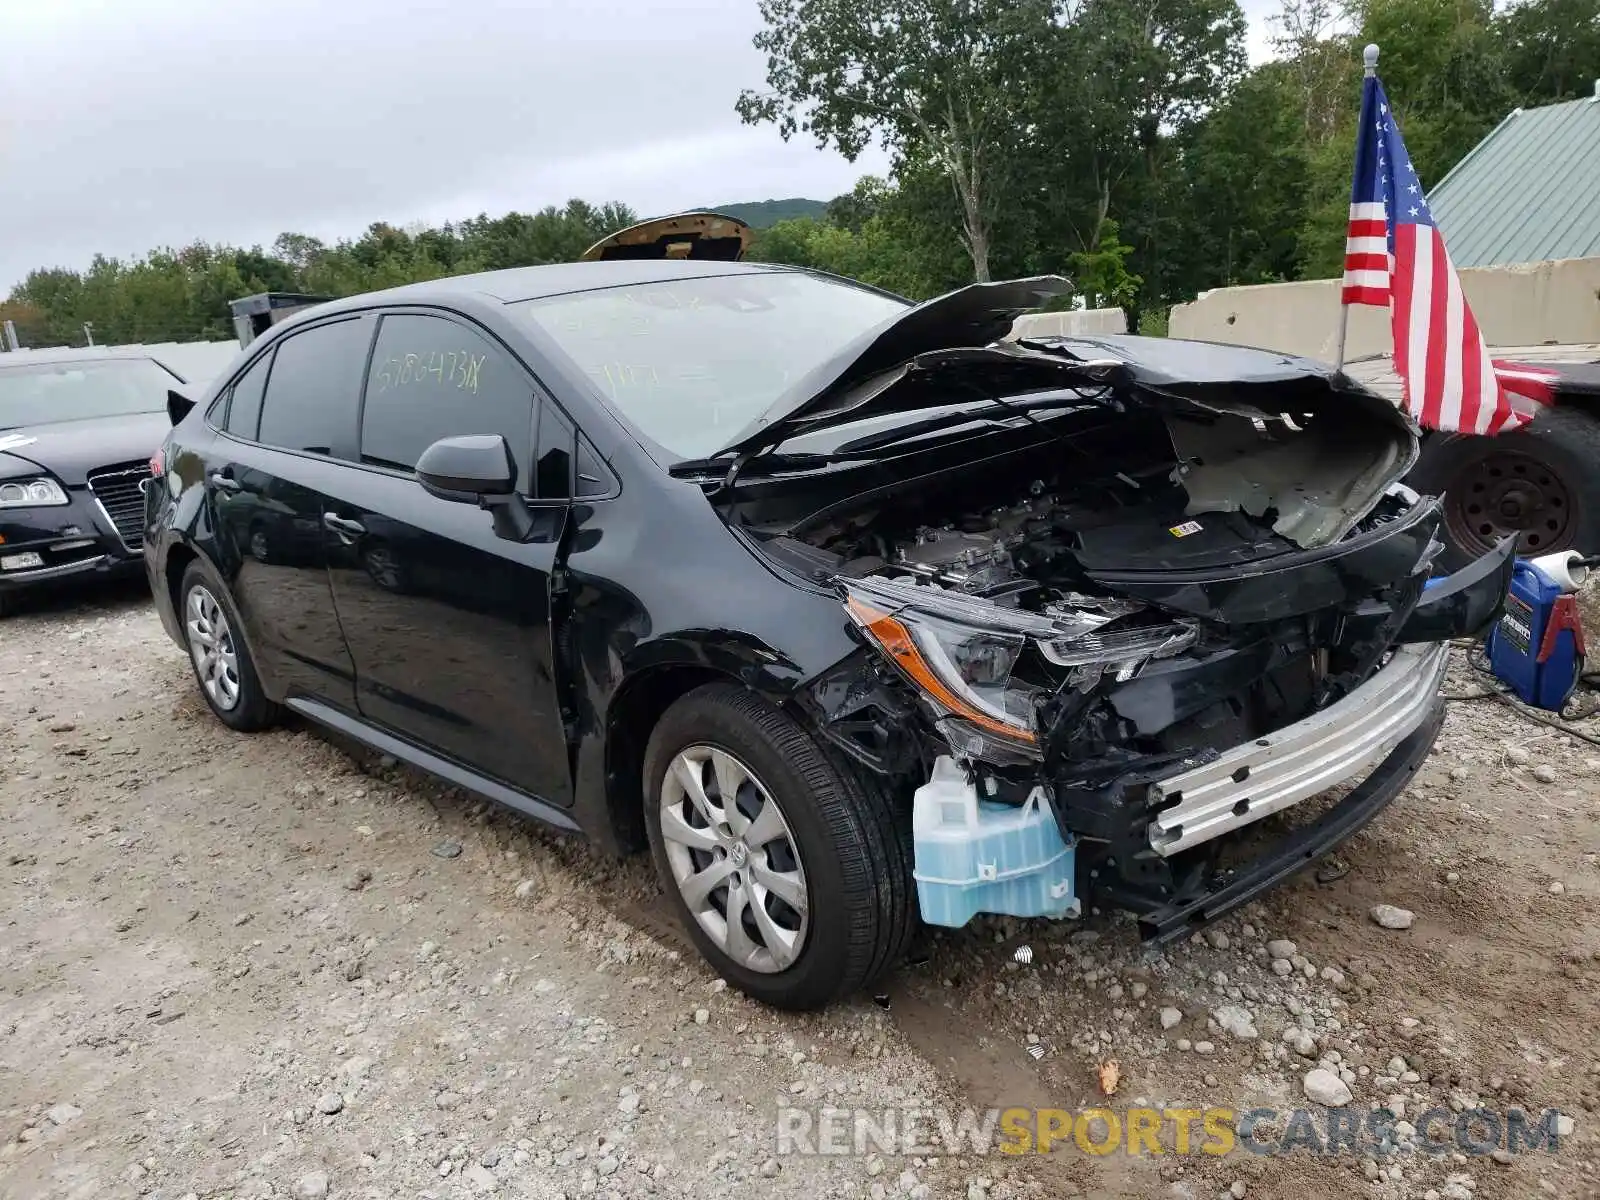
pixel 129 124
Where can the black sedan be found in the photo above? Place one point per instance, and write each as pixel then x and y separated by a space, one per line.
pixel 850 610
pixel 76 436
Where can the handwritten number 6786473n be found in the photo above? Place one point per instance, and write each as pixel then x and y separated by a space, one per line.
pixel 458 367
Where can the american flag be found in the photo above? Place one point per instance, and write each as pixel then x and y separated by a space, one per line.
pixel 1394 257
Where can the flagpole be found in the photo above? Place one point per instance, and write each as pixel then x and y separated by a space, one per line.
pixel 1369 57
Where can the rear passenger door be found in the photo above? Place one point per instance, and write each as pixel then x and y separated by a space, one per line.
pixel 287 421
pixel 448 624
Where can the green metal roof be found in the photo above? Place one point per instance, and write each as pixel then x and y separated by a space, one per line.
pixel 1528 192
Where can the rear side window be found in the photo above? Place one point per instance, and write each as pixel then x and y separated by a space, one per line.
pixel 244 409
pixel 433 378
pixel 315 388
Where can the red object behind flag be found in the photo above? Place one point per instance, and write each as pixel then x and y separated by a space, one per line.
pixel 1396 258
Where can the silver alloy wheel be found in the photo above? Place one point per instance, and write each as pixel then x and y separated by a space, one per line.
pixel 211 644
pixel 734 859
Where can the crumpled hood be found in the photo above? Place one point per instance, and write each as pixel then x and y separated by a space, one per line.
pixel 973 316
pixel 1319 476
pixel 1254 430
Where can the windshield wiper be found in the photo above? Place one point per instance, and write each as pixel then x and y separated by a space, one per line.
pixel 769 463
pixel 900 433
pixel 866 448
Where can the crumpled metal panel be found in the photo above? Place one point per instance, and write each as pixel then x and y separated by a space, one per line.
pixel 1321 481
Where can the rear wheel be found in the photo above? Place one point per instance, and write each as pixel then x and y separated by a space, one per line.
pixel 222 664
pixel 789 873
pixel 1540 483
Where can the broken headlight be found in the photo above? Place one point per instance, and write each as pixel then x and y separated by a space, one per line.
pixel 962 652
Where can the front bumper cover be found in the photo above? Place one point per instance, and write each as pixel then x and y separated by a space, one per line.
pixel 72 540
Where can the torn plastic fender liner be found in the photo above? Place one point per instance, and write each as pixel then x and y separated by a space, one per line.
pixel 1340 575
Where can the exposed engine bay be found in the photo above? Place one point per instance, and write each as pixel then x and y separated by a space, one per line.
pixel 1121 531
pixel 1165 589
pixel 1050 535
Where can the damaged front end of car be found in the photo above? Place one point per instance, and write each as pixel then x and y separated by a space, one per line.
pixel 1216 608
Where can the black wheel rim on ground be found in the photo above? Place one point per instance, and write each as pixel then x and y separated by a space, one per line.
pixel 1508 492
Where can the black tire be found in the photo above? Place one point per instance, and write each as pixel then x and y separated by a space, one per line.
pixel 854 852
pixel 253 710
pixel 1541 482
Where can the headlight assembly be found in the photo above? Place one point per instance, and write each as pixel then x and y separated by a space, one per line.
pixel 31 493
pixel 962 652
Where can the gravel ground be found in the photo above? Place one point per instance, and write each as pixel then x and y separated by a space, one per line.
pixel 239 966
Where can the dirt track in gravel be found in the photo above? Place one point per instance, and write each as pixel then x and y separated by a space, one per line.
pixel 205 936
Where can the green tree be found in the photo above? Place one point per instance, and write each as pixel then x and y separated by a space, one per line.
pixel 936 81
pixel 1101 275
pixel 1245 184
pixel 1551 47
pixel 1124 82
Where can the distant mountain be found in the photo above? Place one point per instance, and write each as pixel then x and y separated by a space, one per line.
pixel 759 214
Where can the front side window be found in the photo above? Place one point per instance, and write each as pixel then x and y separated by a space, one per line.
pixel 315 387
pixel 691 362
pixel 43 392
pixel 433 378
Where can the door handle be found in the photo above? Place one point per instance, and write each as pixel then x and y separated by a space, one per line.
pixel 222 481
pixel 342 525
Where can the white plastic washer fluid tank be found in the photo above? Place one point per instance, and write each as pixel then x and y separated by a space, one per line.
pixel 975 855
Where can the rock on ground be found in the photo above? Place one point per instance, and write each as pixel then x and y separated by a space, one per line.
pixel 1324 1087
pixel 1392 917
pixel 1238 1021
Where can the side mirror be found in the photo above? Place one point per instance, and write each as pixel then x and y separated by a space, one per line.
pixel 468 469
pixel 178 405
pixel 478 469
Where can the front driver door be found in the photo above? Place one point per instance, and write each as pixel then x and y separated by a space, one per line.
pixel 448 625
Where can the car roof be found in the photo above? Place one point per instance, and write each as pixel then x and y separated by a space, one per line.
pixel 554 279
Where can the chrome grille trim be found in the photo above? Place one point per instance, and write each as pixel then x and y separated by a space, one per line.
pixel 118 491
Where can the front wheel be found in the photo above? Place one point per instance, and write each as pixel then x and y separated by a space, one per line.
pixel 791 875
pixel 1539 483
pixel 222 664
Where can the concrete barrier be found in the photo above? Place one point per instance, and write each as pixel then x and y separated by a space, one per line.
pixel 1080 322
pixel 1528 304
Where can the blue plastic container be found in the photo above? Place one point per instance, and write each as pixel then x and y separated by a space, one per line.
pixel 1537 644
pixel 975 856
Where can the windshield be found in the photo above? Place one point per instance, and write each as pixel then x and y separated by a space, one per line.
pixel 691 362
pixel 40 393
